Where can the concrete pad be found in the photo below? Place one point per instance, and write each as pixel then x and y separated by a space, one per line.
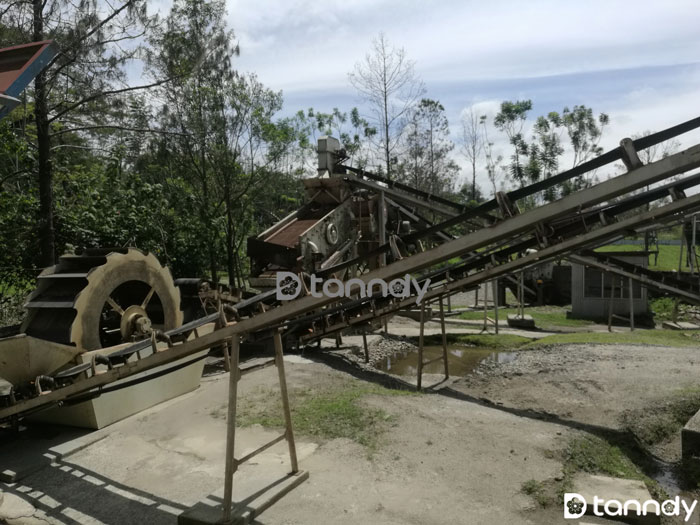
pixel 680 325
pixel 251 499
pixel 607 488
pixel 34 447
pixel 690 438
pixel 524 321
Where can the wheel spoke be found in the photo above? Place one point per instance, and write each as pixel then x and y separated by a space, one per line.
pixel 115 306
pixel 148 298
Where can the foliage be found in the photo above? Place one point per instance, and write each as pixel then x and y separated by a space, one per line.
pixel 427 165
pixel 510 120
pixel 83 91
pixel 354 132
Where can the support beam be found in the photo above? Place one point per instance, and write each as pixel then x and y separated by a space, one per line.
pixel 444 339
pixel 289 431
pixel 401 197
pixel 231 465
pixel 419 379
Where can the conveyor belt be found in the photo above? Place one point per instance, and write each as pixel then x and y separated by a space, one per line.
pixel 562 221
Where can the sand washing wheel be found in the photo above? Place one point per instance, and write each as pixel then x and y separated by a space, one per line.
pixel 102 298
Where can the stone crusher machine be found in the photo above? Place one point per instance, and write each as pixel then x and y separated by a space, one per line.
pixel 345 218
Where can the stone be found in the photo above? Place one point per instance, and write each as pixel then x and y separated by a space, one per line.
pixel 518 321
pixel 680 325
pixel 13 507
pixel 608 488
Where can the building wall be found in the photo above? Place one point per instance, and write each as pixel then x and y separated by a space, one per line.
pixel 591 288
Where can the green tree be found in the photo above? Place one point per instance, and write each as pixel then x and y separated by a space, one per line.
pixel 585 131
pixel 428 165
pixel 194 38
pixel 510 120
pixel 77 93
pixel 545 151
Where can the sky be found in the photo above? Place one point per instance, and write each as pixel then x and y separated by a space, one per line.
pixel 639 62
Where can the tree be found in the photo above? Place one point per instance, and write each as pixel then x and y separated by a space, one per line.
pixel 493 164
pixel 472 143
pixel 510 120
pixel 353 131
pixel 656 151
pixel 428 165
pixel 84 83
pixel 387 81
pixel 194 37
pixel 585 132
pixel 545 151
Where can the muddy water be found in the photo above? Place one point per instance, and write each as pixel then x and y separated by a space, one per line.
pixel 462 360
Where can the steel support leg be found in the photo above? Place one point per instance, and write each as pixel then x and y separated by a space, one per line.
pixel 231 465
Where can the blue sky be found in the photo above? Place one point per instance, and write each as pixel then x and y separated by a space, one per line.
pixel 639 62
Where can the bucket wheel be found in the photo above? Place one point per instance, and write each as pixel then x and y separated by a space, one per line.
pixel 102 298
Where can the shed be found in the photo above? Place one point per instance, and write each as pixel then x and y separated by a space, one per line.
pixel 591 289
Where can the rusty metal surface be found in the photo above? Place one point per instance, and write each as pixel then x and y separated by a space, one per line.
pixel 18 67
pixel 289 235
pixel 15 60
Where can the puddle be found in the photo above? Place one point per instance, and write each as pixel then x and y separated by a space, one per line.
pixel 462 360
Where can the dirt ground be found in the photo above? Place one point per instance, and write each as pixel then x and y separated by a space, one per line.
pixel 589 385
pixel 460 454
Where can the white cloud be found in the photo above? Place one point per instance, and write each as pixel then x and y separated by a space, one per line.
pixel 297 43
pixel 473 52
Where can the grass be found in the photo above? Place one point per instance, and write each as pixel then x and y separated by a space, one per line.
pixel 329 414
pixel 13 294
pixel 482 341
pixel 593 455
pixel 538 490
pixel 663 310
pixel 667 260
pixel 597 456
pixel 544 316
pixel 656 424
pixel 675 338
